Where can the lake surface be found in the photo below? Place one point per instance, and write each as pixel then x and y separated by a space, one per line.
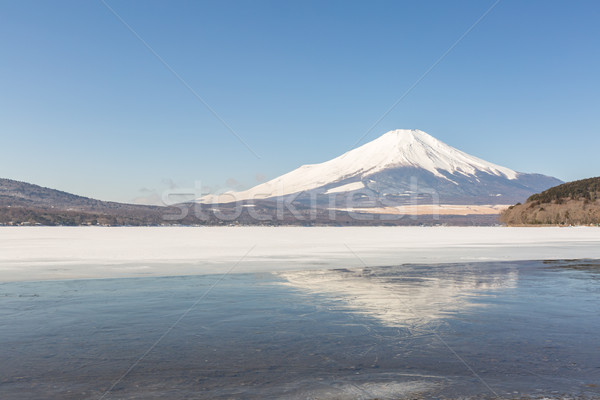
pixel 60 252
pixel 527 329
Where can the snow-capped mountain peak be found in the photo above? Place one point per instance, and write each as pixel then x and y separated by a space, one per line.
pixel 415 148
pixel 397 150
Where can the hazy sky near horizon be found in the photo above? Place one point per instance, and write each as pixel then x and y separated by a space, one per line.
pixel 87 107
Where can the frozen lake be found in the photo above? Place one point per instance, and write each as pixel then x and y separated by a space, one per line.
pixel 42 253
pixel 491 330
pixel 299 313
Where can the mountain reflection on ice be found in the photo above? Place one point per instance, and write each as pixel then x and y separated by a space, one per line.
pixel 408 295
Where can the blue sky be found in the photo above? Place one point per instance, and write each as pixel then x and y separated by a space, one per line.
pixel 86 107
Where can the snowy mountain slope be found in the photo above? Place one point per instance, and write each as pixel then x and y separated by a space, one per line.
pixel 389 166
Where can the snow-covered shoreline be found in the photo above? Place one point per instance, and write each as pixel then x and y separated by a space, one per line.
pixel 42 253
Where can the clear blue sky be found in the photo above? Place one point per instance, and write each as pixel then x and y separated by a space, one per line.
pixel 87 108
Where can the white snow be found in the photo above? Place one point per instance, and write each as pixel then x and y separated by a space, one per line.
pixel 398 148
pixel 346 188
pixel 36 253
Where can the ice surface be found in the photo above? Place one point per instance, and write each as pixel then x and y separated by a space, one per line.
pixel 40 253
pixel 529 330
pixel 394 302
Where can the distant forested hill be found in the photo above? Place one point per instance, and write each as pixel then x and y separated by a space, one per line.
pixel 572 203
pixel 24 203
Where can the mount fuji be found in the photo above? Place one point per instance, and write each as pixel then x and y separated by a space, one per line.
pixel 395 169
